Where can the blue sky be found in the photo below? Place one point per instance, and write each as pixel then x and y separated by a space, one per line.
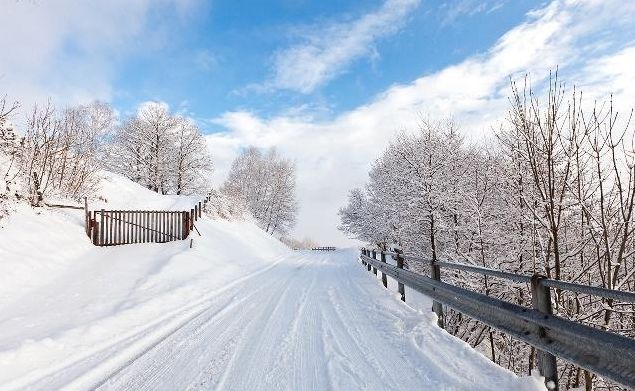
pixel 327 83
pixel 212 60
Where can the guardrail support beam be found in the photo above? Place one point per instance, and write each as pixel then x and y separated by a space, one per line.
pixel 541 301
pixel 384 278
pixel 374 257
pixel 437 307
pixel 400 288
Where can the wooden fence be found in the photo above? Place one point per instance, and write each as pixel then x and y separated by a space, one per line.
pixel 115 227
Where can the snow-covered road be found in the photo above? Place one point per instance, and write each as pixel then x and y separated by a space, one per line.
pixel 311 321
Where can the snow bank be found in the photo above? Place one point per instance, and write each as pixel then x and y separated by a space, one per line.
pixel 62 299
pixel 119 192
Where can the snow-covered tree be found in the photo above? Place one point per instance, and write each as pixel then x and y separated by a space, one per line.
pixel 555 195
pixel 192 164
pixel 58 152
pixel 164 152
pixel 265 183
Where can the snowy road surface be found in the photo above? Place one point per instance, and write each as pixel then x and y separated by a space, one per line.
pixel 310 321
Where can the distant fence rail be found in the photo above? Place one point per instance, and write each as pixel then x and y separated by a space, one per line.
pixel 324 249
pixel 117 227
pixel 607 354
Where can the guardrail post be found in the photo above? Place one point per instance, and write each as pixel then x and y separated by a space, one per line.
pixel 363 253
pixel 437 307
pixel 384 279
pixel 541 301
pixel 400 287
pixel 374 257
pixel 368 254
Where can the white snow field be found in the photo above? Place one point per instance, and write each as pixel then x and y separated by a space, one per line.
pixel 238 311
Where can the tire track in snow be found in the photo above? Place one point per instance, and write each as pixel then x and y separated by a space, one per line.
pixel 197 339
pixel 312 321
pixel 140 340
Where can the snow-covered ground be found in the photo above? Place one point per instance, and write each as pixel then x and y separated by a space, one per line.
pixel 237 311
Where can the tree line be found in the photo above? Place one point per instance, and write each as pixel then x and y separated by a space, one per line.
pixel 553 194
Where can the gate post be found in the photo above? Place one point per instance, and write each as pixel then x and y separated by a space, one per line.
pixel 437 307
pixel 541 301
pixel 384 279
pixel 94 229
pixel 374 257
pixel 101 228
pixel 400 287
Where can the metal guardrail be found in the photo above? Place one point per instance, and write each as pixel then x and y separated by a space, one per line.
pixel 624 296
pixel 324 248
pixel 607 354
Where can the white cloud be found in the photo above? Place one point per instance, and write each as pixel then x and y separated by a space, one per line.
pixel 328 50
pixel 333 156
pixel 453 10
pixel 68 50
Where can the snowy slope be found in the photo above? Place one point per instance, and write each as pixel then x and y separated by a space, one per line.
pixel 237 311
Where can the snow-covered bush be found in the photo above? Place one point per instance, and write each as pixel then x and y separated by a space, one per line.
pixel 9 145
pixel 225 207
pixel 297 244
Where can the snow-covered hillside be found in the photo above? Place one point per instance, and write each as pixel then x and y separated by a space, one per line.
pixel 239 310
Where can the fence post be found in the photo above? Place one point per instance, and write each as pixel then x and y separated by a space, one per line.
pixel 363 253
pixel 101 227
pixel 200 213
pixel 86 222
pixel 384 279
pixel 437 307
pixel 374 257
pixel 192 218
pixel 400 287
pixel 541 301
pixel 94 228
pixel 185 226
